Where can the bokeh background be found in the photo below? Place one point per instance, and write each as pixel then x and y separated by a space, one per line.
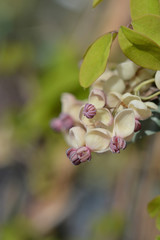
pixel 42 195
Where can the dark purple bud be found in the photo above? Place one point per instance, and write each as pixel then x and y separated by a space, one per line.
pixel 79 155
pixel 72 155
pixel 137 125
pixel 116 144
pixel 84 154
pixel 89 110
pixel 67 121
pixel 56 124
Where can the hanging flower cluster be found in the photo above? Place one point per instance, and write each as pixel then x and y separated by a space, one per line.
pixel 109 118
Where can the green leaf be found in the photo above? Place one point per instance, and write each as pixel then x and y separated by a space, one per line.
pixel 154 207
pixel 158 222
pixel 140 8
pixel 157 238
pixel 95 59
pixel 96 2
pixel 139 48
pixel 149 26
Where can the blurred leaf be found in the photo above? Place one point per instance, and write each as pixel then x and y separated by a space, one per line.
pixel 96 2
pixel 18 229
pixel 95 60
pixel 139 48
pixel 21 229
pixel 149 26
pixel 110 226
pixel 154 207
pixel 143 7
pixel 158 222
pixel 13 56
pixel 157 238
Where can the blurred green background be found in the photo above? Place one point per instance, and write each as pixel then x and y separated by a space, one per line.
pixel 42 195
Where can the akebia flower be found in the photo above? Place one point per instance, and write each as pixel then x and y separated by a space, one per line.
pixel 94 113
pixel 127 69
pixel 118 102
pixel 71 106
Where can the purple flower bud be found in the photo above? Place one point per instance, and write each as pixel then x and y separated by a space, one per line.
pixel 89 110
pixel 67 121
pixel 72 155
pixel 116 144
pixel 62 123
pixel 77 156
pixel 137 125
pixel 56 124
pixel 84 154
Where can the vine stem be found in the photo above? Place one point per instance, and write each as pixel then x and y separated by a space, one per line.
pixel 151 96
pixel 137 88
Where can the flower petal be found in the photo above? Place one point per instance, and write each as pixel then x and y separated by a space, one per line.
pixel 77 137
pixel 157 79
pixel 99 83
pixel 127 69
pixel 97 98
pixel 151 105
pixel 128 97
pixel 103 117
pixel 98 140
pixel 71 105
pixel 113 99
pixel 88 122
pixel 140 110
pixel 114 84
pixel 124 123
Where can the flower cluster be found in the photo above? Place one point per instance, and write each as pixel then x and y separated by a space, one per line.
pixel 108 119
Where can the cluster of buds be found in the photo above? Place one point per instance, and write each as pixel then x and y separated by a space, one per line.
pixel 109 118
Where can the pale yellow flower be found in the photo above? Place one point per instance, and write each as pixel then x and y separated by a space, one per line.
pixel 127 70
pixel 94 113
pixel 97 139
pixel 71 106
pixel 110 81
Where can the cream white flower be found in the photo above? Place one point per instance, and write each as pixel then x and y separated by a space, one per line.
pixel 124 124
pixel 113 99
pixel 140 109
pixel 94 113
pixel 127 70
pixel 97 139
pixel 71 106
pixel 110 81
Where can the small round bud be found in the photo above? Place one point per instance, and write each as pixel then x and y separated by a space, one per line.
pixel 62 123
pixel 137 125
pixel 80 155
pixel 89 110
pixel 56 124
pixel 67 121
pixel 72 155
pixel 84 154
pixel 116 144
